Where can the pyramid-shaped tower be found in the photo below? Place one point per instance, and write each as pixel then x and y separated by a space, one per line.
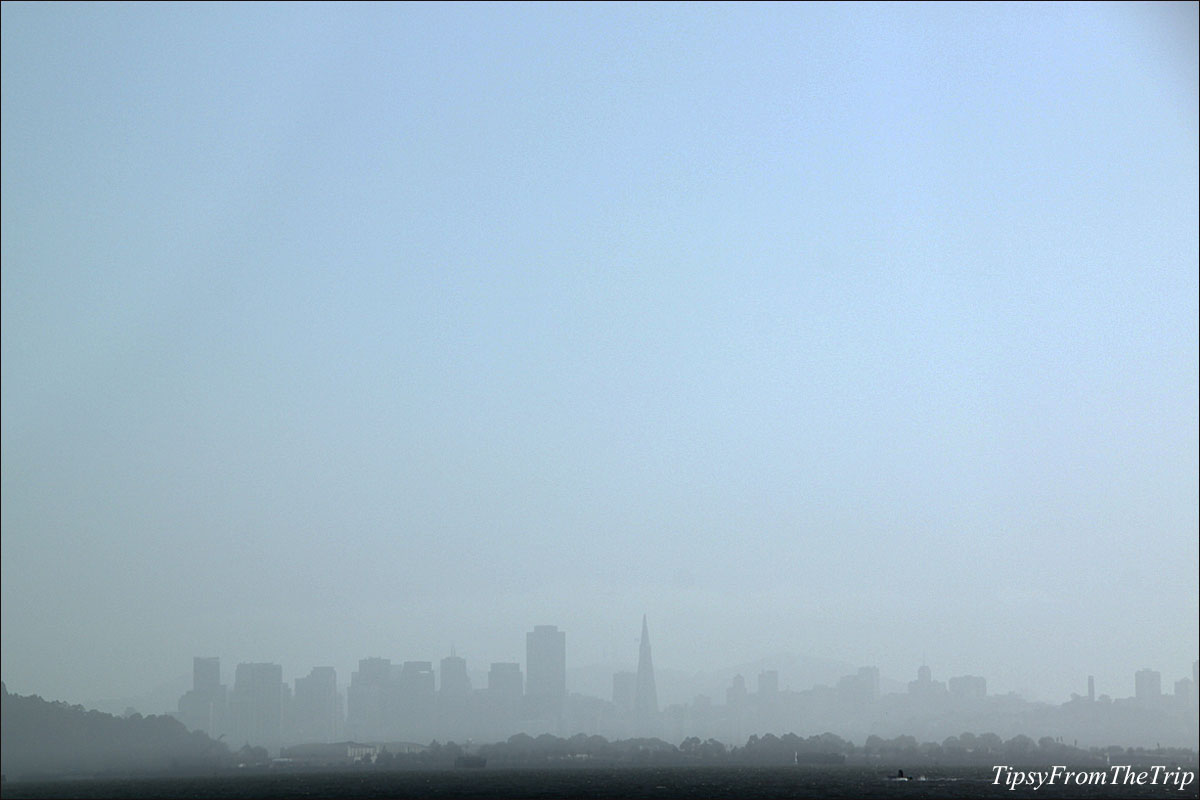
pixel 646 700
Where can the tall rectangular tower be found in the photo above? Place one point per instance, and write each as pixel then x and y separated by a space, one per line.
pixel 546 671
pixel 368 700
pixel 315 708
pixel 206 674
pixel 203 708
pixel 257 705
pixel 1147 685
pixel 505 686
pixel 455 684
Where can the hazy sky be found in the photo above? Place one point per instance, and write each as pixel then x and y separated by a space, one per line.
pixel 867 332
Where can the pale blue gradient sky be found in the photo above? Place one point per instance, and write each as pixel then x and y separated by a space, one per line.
pixel 862 331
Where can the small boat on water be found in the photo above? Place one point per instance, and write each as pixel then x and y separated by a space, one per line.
pixel 900 776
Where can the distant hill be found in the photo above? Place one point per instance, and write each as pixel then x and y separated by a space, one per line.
pixel 46 738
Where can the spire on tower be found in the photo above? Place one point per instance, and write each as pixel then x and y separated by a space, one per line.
pixel 646 699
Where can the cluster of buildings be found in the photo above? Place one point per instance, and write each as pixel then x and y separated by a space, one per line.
pixel 1147 686
pixel 410 704
pixel 928 709
pixel 407 703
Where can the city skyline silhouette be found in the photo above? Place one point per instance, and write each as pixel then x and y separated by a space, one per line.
pixel 849 336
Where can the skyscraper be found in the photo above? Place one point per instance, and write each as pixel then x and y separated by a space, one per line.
pixel 257 705
pixel 505 680
pixel 456 685
pixel 645 702
pixel 545 671
pixel 316 710
pixel 1147 685
pixel 453 699
pixel 368 700
pixel 203 708
pixel 503 698
pixel 206 674
pixel 415 699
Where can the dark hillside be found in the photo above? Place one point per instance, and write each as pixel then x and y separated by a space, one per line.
pixel 44 738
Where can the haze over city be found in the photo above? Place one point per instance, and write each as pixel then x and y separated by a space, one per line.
pixel 865 333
